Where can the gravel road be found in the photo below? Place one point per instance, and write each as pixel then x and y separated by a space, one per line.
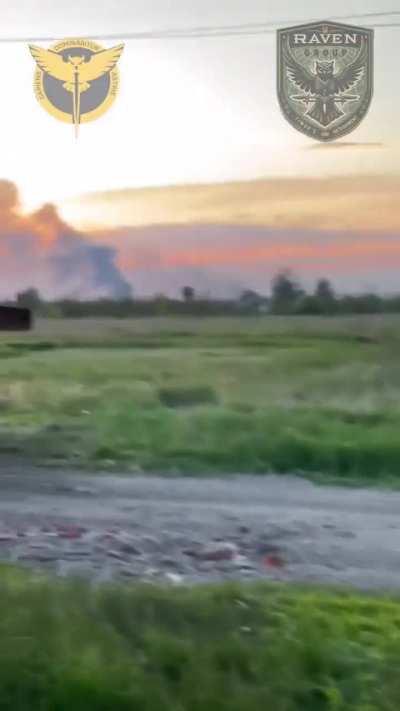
pixel 185 530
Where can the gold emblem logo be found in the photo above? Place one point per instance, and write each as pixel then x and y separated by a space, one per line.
pixel 76 80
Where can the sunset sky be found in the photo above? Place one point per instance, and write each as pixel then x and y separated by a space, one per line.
pixel 197 112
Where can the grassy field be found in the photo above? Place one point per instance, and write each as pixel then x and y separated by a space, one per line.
pixel 308 395
pixel 65 646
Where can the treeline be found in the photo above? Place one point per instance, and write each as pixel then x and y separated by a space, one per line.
pixel 287 297
pixel 134 308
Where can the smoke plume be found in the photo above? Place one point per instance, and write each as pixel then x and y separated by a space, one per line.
pixel 43 251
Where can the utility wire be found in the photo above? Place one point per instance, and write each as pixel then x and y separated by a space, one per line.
pixel 386 24
pixel 212 31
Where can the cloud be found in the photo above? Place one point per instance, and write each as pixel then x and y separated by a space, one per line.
pixel 239 234
pixel 220 239
pixel 368 203
pixel 42 250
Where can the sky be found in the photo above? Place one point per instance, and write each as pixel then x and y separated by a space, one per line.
pixel 198 112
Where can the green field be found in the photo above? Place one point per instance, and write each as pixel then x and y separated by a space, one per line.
pixel 65 646
pixel 319 396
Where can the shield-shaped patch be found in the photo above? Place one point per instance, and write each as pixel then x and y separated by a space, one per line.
pixel 325 77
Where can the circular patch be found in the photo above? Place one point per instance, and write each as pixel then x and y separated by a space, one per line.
pixel 76 80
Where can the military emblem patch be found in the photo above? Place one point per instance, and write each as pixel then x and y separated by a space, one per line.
pixel 76 80
pixel 325 77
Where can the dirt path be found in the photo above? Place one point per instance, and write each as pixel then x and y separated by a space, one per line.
pixel 189 530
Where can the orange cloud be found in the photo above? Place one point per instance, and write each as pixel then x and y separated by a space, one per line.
pixel 170 246
pixel 293 253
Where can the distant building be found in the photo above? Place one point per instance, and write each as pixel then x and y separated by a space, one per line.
pixel 15 319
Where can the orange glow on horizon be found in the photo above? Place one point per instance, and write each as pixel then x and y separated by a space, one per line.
pixel 354 253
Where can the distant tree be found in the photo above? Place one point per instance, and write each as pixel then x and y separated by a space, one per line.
pixel 161 304
pixel 287 294
pixel 29 299
pixel 324 289
pixel 250 301
pixel 248 297
pixel 324 296
pixel 309 306
pixel 364 304
pixel 51 310
pixel 188 294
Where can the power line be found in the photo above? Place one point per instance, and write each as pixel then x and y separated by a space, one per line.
pixel 243 32
pixel 248 29
pixel 387 24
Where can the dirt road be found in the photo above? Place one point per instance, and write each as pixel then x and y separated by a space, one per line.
pixel 192 530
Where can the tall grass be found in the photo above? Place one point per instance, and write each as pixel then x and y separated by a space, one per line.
pixel 315 396
pixel 65 646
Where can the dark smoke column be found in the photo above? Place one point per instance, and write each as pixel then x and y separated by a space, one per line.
pixel 81 268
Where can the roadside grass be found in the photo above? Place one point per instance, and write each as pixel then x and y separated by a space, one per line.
pixel 64 645
pixel 319 397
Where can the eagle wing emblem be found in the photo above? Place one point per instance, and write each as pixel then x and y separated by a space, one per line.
pixel 298 75
pixel 52 63
pixel 350 76
pixel 75 72
pixel 100 63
